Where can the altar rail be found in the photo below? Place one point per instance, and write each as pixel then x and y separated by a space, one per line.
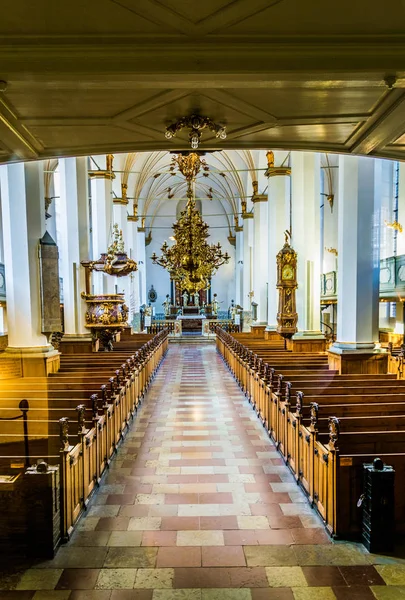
pixel 325 453
pixel 226 325
pixel 208 326
pixel 82 464
pixel 161 325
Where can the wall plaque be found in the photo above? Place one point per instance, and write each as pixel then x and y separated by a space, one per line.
pixel 10 368
pixel 50 293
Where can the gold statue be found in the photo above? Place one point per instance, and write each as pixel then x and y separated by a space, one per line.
pixel 244 206
pixel 270 159
pixel 236 221
pixel 109 162
pixel 124 188
pixel 255 185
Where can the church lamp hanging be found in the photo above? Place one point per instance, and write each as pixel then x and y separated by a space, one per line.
pixel 115 261
pixel 191 260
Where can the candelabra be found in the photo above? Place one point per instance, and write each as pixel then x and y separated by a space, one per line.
pixel 191 259
pixel 196 124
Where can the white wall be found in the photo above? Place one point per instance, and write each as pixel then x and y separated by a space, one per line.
pixel 223 283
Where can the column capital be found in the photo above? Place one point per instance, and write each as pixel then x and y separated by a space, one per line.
pixel 102 174
pixel 259 198
pixel 277 171
pixel 123 201
pixel 133 218
pixel 247 215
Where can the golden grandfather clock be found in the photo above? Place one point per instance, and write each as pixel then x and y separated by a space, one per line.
pixel 287 316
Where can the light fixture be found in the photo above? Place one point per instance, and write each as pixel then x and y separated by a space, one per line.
pixel 196 124
pixel 191 260
pixel 115 261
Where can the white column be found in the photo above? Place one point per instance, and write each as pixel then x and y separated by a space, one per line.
pixel 247 262
pixel 23 214
pixel 239 268
pixel 132 250
pixel 102 213
pixel 74 242
pixel 359 253
pixel 260 258
pixel 142 265
pixel 305 188
pixel 279 221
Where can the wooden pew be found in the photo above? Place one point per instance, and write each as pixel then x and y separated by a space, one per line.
pixel 370 421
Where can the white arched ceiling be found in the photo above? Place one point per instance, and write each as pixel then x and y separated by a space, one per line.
pixel 153 184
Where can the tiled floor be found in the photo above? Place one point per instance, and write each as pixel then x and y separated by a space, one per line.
pixel 198 505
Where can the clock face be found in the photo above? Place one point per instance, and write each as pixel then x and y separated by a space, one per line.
pixel 288 272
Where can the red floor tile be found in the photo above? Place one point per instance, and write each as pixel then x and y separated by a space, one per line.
pixel 182 524
pixel 181 557
pixel 223 556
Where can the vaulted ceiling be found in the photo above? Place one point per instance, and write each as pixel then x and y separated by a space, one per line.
pixel 110 75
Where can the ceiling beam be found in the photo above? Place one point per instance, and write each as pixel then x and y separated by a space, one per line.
pixel 15 136
pixel 384 127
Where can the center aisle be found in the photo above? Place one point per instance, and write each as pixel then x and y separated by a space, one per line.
pixel 198 505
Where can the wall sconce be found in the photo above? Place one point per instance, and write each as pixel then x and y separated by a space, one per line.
pixel 330 198
pixel 394 225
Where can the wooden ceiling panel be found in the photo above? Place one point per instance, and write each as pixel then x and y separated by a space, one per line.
pixel 74 17
pixel 110 75
pixel 65 137
pixel 302 102
pixel 346 17
pixel 193 11
pixel 73 102
pixel 400 141
pixel 304 134
pixel 220 112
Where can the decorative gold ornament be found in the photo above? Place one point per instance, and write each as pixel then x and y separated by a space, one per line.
pixel 115 261
pixel 196 124
pixel 124 199
pixel 270 159
pixel 332 251
pixel 191 260
pixel 109 162
pixel 272 170
pixel 108 172
pixel 106 315
pixel 394 225
pixel 287 316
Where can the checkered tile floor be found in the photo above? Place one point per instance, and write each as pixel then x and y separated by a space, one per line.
pixel 198 505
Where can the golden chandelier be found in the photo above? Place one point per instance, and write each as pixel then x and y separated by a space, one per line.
pixel 191 260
